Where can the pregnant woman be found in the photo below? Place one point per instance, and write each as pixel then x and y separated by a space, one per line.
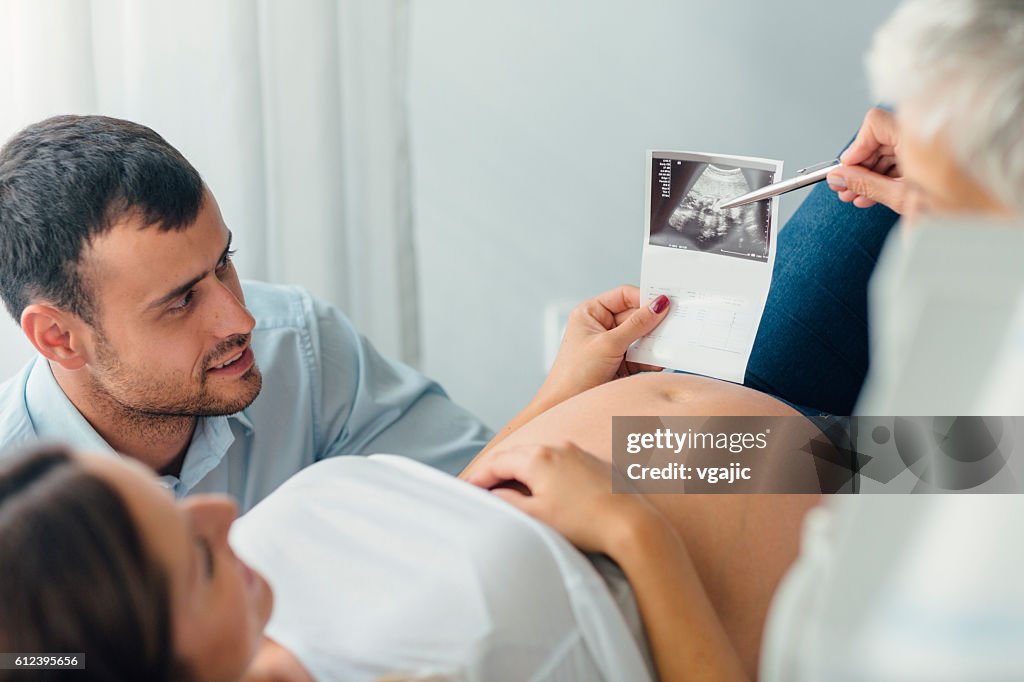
pixel 382 568
pixel 386 569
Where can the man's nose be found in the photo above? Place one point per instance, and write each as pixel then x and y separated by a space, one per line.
pixel 231 317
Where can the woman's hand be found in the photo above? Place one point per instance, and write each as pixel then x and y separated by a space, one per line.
pixel 569 490
pixel 593 352
pixel 870 173
pixel 597 336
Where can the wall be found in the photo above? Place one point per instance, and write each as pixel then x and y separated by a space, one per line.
pixel 530 120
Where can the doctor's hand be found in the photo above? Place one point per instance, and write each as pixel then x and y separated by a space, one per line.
pixel 569 490
pixel 599 332
pixel 870 173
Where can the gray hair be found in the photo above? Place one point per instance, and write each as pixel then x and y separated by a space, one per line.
pixel 957 67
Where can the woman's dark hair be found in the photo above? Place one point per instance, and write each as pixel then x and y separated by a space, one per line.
pixel 67 180
pixel 75 576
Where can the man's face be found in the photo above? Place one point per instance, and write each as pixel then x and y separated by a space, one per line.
pixel 936 181
pixel 172 330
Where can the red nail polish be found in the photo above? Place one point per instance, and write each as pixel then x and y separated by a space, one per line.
pixel 659 304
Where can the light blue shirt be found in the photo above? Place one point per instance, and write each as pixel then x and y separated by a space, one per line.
pixel 326 392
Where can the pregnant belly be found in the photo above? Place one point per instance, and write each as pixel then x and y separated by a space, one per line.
pixel 586 419
pixel 741 544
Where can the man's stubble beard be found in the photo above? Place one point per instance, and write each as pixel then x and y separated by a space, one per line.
pixel 146 401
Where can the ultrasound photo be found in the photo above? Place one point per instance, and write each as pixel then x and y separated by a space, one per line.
pixel 685 214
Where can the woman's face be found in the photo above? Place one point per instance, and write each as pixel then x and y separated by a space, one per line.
pixel 219 606
pixel 935 180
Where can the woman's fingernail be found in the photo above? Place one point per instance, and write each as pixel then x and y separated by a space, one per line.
pixel 836 181
pixel 659 304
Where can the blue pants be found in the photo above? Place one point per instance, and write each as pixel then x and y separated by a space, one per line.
pixel 811 349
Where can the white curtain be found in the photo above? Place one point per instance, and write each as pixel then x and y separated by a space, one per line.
pixel 294 113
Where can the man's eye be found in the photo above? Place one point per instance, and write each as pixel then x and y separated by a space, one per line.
pixel 184 302
pixel 225 261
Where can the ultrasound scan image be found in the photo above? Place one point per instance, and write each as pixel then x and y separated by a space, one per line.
pixel 685 213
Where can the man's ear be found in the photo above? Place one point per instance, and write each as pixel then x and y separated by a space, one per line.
pixel 57 334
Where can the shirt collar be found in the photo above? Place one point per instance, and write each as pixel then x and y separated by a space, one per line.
pixel 55 417
pixel 210 442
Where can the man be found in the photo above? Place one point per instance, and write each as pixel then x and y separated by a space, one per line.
pixel 115 261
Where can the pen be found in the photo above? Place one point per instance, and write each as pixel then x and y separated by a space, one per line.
pixel 804 177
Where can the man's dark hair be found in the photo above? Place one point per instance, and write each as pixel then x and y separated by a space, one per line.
pixel 68 179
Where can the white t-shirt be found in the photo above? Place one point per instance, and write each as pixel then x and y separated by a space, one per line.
pixel 382 566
